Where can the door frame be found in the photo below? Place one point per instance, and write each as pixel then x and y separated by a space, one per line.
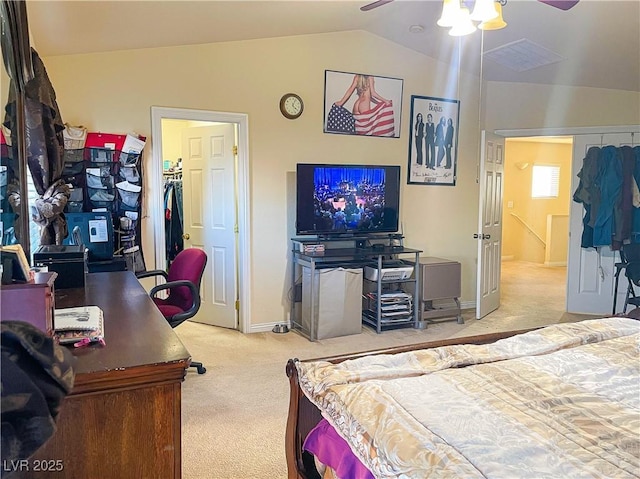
pixel 569 131
pixel 561 131
pixel 241 121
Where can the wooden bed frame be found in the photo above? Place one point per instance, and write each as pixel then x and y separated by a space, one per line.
pixel 304 415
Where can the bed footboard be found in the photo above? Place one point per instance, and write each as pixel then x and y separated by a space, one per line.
pixel 303 417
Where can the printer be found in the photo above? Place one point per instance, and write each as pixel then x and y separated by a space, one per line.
pixel 395 270
pixel 69 261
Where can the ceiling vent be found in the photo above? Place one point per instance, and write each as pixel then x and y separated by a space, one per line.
pixel 522 55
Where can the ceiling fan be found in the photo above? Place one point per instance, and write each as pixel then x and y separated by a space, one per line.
pixel 561 4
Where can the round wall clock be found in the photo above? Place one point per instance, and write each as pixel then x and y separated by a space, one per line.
pixel 291 106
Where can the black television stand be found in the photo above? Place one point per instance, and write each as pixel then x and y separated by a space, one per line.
pixel 343 252
pixel 349 237
pixel 340 237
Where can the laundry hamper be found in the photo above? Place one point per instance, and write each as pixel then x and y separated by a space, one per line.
pixel 337 299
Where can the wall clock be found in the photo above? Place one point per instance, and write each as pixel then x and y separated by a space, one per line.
pixel 291 106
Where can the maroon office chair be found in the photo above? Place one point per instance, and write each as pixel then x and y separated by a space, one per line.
pixel 183 285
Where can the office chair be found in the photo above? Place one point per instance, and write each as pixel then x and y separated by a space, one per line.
pixel 630 264
pixel 183 286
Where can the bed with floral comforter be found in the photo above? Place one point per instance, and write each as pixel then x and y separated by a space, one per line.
pixel 559 402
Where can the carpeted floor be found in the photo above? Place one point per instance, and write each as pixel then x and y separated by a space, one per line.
pixel 234 416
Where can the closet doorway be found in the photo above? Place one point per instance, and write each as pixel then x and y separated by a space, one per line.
pixel 200 161
pixel 537 199
pixel 523 217
pixel 535 218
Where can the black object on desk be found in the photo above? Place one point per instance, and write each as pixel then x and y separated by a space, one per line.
pixel 117 263
pixel 96 234
pixel 69 261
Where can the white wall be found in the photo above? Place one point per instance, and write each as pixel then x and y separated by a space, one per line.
pixel 525 105
pixel 114 92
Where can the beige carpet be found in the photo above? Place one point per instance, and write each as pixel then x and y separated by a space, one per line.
pixel 234 416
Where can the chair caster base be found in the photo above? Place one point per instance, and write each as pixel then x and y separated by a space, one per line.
pixel 199 367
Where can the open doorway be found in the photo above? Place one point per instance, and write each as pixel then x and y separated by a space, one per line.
pixel 208 153
pixel 535 233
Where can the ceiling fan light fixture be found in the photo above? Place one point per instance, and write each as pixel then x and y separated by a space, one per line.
pixel 496 23
pixel 450 12
pixel 484 10
pixel 463 25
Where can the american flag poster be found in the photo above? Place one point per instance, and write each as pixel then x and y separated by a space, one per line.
pixel 433 141
pixel 362 104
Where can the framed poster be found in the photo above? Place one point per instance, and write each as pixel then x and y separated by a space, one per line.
pixel 433 141
pixel 362 104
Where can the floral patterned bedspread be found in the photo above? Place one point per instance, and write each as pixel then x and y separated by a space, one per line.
pixel 559 402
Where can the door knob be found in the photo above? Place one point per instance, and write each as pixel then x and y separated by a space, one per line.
pixel 186 236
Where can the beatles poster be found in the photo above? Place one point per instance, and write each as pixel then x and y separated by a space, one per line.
pixel 433 141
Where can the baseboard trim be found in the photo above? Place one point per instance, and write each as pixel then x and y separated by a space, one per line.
pixel 266 327
pixel 555 263
pixel 467 305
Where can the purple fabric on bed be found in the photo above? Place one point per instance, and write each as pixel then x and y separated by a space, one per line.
pixel 326 444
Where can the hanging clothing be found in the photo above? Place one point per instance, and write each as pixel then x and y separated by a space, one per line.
pixel 173 219
pixel 624 210
pixel 608 179
pixel 43 137
pixel 47 213
pixel 588 193
pixel 635 222
pixel 177 188
pixel 44 127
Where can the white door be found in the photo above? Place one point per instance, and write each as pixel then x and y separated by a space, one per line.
pixel 489 234
pixel 590 271
pixel 208 174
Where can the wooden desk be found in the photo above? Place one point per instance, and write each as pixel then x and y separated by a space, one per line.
pixel 123 417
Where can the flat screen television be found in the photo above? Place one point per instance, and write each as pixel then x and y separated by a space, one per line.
pixel 347 199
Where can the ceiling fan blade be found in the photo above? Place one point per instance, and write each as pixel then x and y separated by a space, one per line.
pixel 561 4
pixel 373 5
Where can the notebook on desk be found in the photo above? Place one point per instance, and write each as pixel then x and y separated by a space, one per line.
pixel 75 324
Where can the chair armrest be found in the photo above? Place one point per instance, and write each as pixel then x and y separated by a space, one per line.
pixel 150 273
pixel 632 272
pixel 195 294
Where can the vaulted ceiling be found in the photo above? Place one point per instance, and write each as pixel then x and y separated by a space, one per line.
pixel 598 41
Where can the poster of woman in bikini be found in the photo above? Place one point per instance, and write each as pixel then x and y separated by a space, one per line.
pixel 433 144
pixel 362 104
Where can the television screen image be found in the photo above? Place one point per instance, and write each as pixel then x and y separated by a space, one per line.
pixel 347 199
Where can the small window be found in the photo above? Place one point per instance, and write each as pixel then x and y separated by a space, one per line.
pixel 545 182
